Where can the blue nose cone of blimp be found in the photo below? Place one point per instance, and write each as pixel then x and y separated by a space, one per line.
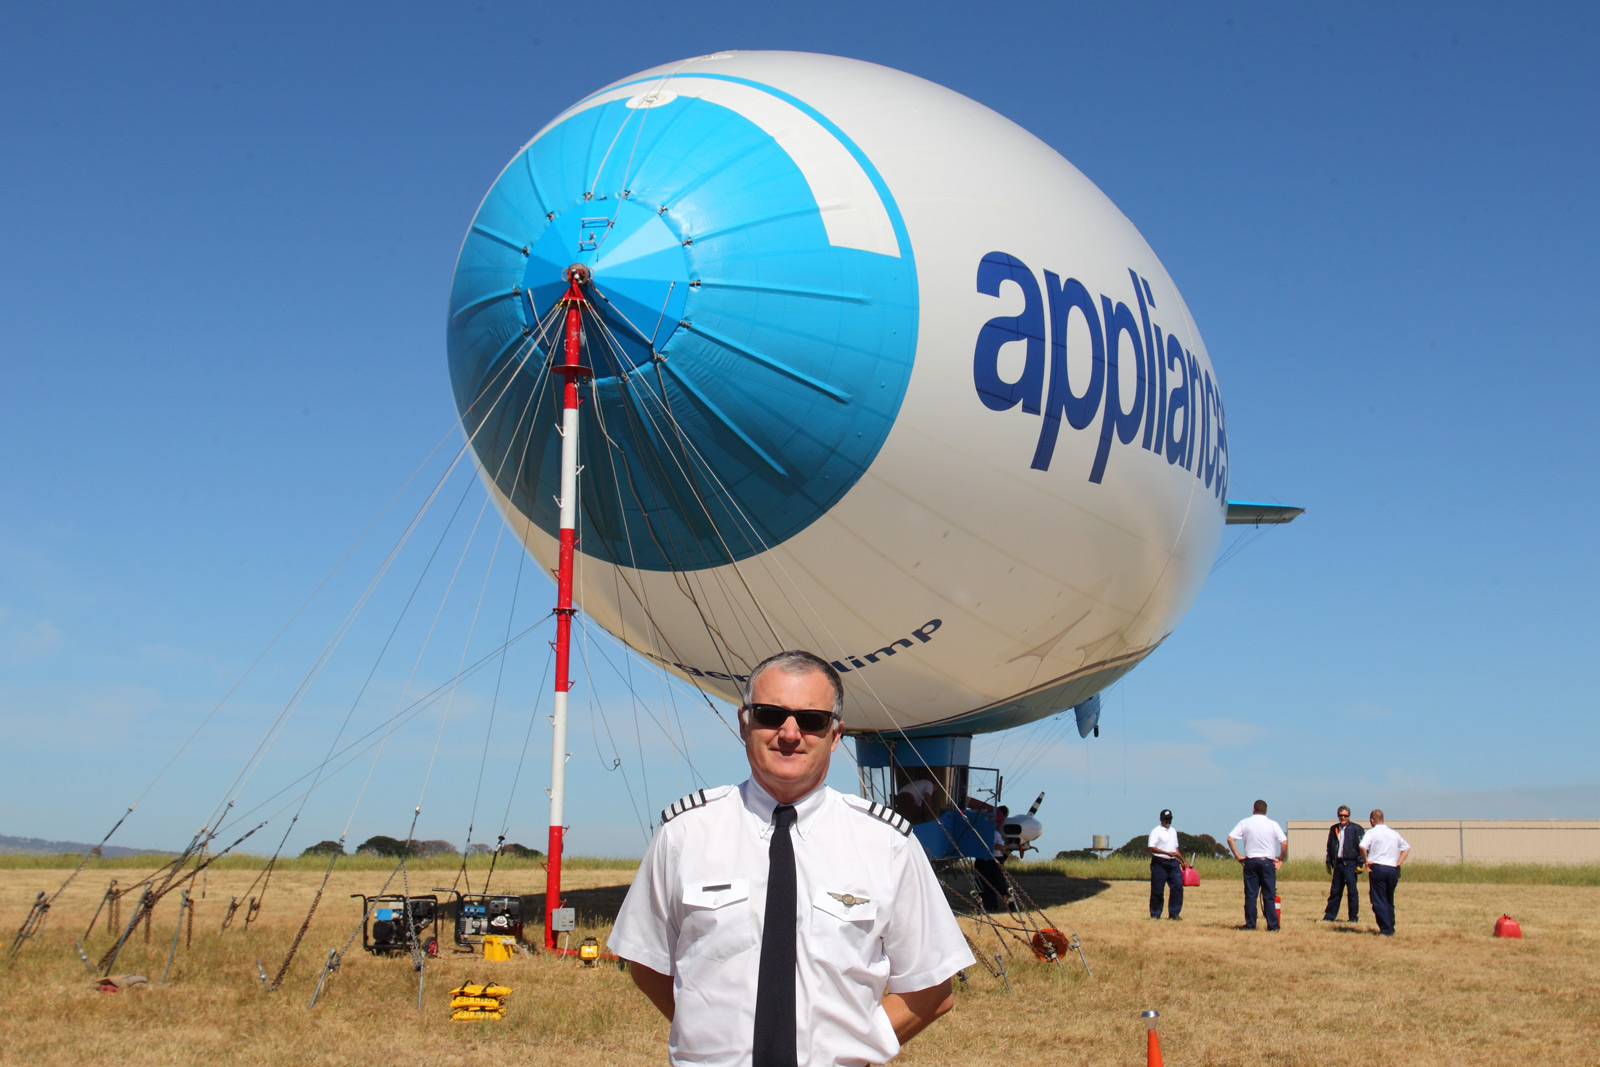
pixel 752 330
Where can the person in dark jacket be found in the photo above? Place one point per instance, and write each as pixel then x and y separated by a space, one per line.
pixel 1343 859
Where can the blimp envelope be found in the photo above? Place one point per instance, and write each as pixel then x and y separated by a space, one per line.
pixel 876 373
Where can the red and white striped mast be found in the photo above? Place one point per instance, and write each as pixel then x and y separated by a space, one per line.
pixel 571 369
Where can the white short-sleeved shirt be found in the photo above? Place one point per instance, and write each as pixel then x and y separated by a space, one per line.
pixel 1383 845
pixel 1164 838
pixel 1259 838
pixel 872 919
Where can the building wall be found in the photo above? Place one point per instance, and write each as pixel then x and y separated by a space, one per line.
pixel 1472 840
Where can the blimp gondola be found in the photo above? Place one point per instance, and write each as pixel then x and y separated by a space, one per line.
pixel 779 350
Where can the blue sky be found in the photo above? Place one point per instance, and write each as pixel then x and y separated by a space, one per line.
pixel 228 235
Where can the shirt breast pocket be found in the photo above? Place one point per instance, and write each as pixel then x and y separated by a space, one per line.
pixel 717 923
pixel 842 926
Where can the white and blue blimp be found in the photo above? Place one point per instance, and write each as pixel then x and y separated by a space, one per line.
pixel 873 372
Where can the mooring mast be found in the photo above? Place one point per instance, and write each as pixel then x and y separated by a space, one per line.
pixel 572 370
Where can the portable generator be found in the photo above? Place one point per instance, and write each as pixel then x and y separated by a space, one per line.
pixel 479 915
pixel 393 923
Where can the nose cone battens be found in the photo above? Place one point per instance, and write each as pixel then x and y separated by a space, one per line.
pixel 638 269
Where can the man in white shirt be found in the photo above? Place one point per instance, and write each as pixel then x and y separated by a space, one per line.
pixel 1385 852
pixel 1265 846
pixel 779 923
pixel 1166 868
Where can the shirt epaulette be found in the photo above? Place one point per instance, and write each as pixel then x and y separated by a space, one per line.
pixel 698 799
pixel 881 813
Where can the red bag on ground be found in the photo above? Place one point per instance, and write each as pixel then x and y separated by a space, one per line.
pixel 1506 926
pixel 1191 877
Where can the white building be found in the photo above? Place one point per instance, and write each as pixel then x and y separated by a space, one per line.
pixel 1469 840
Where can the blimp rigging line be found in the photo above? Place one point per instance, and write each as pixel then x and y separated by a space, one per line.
pixel 165 879
pixel 530 405
pixel 322 660
pixel 34 921
pixel 198 849
pixel 336 955
pixel 275 982
pixel 199 846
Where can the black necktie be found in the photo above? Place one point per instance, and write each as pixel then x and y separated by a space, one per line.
pixel 775 1027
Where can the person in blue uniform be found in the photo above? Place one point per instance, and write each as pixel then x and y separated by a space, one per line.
pixel 1166 868
pixel 1385 852
pixel 1343 859
pixel 1265 847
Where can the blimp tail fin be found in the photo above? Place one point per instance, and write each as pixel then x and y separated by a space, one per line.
pixel 1088 715
pixel 1244 513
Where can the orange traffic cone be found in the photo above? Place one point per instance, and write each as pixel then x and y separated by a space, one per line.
pixel 1152 1042
pixel 1277 905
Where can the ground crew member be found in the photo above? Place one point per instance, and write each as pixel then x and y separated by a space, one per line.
pixel 1265 846
pixel 1166 868
pixel 1385 852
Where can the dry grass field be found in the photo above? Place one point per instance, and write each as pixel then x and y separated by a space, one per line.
pixel 1441 992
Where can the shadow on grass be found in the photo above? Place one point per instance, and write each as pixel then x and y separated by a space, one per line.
pixel 599 906
pixel 1048 891
pixel 594 907
pixel 1040 889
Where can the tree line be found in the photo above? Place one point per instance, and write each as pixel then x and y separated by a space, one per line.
pixel 1139 847
pixel 394 848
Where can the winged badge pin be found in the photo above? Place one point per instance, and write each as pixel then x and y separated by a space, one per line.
pixel 849 900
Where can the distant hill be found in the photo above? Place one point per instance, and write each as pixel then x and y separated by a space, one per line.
pixel 39 846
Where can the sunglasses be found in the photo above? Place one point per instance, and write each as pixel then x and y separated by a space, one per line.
pixel 773 716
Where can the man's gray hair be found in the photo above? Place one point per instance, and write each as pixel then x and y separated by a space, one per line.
pixel 794 661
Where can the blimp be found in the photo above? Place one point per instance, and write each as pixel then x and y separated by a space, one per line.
pixel 769 350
